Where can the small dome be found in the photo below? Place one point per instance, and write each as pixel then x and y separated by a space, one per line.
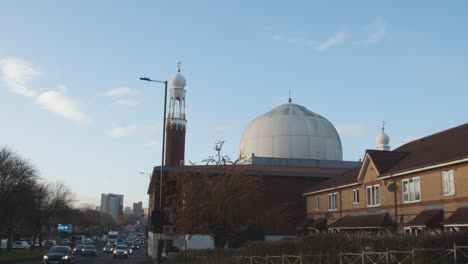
pixel 382 141
pixel 291 131
pixel 178 81
pixel 382 138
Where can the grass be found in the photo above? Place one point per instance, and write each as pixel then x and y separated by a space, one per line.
pixel 15 255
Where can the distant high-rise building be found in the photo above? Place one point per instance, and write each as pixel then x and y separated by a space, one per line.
pixel 112 204
pixel 138 208
pixel 128 210
pixel 98 208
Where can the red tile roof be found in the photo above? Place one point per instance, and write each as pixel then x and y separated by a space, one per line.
pixel 346 177
pixel 385 160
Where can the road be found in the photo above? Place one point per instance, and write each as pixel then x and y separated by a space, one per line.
pixel 138 257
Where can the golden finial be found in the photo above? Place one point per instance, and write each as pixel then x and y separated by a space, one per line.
pixel 178 65
pixel 289 99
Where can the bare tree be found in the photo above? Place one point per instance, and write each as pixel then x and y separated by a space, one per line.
pixel 49 199
pixel 222 200
pixel 18 178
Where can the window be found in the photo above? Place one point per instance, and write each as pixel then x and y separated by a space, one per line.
pixel 373 195
pixel 332 201
pixel 448 185
pixel 317 203
pixel 411 190
pixel 355 196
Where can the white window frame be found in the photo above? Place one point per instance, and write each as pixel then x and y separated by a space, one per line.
pixel 373 199
pixel 333 201
pixel 317 203
pixel 411 192
pixel 356 196
pixel 448 183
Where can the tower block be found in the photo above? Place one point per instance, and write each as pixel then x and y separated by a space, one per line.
pixel 176 122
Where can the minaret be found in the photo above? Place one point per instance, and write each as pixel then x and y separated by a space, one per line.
pixel 382 140
pixel 176 122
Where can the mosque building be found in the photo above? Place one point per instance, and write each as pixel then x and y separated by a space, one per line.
pixel 292 147
pixel 411 189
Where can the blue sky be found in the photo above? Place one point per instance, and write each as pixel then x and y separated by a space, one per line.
pixel 72 103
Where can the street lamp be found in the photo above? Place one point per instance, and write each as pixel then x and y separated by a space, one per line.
pixel 162 159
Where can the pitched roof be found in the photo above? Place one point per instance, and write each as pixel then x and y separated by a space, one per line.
pixel 346 177
pixel 460 216
pixel 447 145
pixel 428 218
pixel 362 221
pixel 385 160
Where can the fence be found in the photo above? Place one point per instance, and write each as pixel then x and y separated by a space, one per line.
pixel 455 255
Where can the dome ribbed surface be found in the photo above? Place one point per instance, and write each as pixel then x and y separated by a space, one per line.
pixel 291 131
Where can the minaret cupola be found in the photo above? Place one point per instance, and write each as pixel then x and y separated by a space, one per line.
pixel 382 139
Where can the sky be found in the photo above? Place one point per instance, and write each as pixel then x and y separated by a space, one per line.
pixel 71 101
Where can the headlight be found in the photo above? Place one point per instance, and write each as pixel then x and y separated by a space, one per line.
pixel 65 257
pixel 46 257
pixel 125 252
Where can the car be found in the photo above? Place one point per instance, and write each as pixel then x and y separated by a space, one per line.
pixel 108 248
pixel 88 241
pixel 135 246
pixel 78 248
pixel 129 249
pixel 65 242
pixel 20 245
pixel 59 254
pixel 89 250
pixel 120 251
pixel 51 242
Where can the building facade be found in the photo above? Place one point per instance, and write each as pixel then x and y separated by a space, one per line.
pixel 138 208
pixel 416 188
pixel 112 204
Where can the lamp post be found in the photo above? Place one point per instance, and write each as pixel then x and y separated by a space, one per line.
pixel 162 160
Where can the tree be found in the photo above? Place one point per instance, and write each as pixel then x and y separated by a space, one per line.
pixel 18 179
pixel 49 198
pixel 222 200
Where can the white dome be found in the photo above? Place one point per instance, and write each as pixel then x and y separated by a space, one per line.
pixel 178 81
pixel 382 141
pixel 382 138
pixel 291 131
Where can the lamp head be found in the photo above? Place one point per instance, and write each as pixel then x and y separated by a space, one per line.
pixel 145 79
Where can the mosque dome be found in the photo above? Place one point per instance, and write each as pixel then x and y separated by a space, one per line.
pixel 291 131
pixel 178 81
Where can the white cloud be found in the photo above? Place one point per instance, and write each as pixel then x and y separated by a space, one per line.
pixel 353 130
pixel 127 102
pixel 120 91
pixel 376 30
pixel 17 73
pixel 297 40
pixel 336 39
pixel 124 130
pixel 60 104
pixel 121 131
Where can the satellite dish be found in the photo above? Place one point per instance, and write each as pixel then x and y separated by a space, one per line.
pixel 392 187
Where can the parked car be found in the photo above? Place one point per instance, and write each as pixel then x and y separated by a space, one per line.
pixel 65 242
pixel 20 245
pixel 51 242
pixel 78 248
pixel 59 254
pixel 89 250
